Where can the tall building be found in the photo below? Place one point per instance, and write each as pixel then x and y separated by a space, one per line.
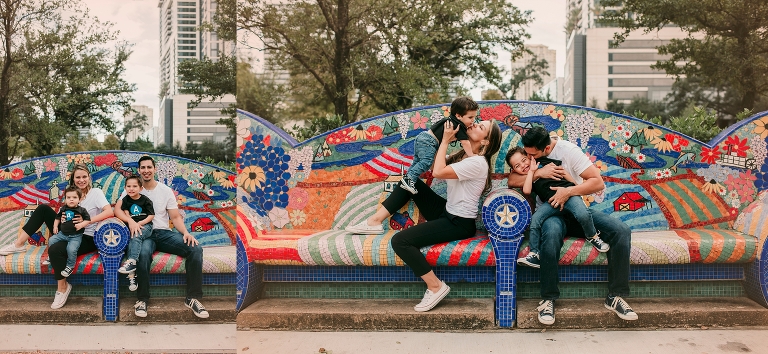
pixel 595 72
pixel 144 131
pixel 539 52
pixel 180 40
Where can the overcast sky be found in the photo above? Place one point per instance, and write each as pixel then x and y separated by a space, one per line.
pixel 137 22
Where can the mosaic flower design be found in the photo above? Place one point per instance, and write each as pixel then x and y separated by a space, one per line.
pixel 419 122
pixel 436 116
pixel 758 147
pixel 298 217
pixel 79 158
pixel 553 112
pixel 300 159
pixel 403 122
pixel 530 109
pixel 604 127
pixel 579 127
pixel 651 133
pixel 640 157
pixel 374 133
pixel 298 198
pixel 761 128
pixel 251 178
pixel 279 217
pixel 736 145
pixel 63 167
pixel 243 130
pixel 677 142
pixel 497 112
pixel 50 165
pixel 710 155
pixel 39 167
pixel 713 186
pixel 717 173
pixel 662 144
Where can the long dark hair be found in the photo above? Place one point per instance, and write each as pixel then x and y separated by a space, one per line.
pixel 487 151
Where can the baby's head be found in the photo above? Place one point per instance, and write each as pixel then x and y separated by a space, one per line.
pixel 518 160
pixel 72 196
pixel 465 110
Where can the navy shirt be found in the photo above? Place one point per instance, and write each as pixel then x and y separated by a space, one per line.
pixel 138 209
pixel 541 186
pixel 68 227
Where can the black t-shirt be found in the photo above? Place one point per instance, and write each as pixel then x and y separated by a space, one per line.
pixel 68 227
pixel 138 209
pixel 439 127
pixel 541 186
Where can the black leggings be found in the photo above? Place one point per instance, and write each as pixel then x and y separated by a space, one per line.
pixel 57 254
pixel 440 226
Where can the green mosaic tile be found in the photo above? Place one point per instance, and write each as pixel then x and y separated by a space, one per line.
pixel 181 290
pixel 372 290
pixel 48 291
pixel 641 289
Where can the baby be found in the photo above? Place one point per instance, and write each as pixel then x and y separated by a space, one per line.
pixel 139 208
pixel 67 231
pixel 520 163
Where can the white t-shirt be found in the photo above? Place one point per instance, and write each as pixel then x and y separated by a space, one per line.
pixel 94 203
pixel 163 199
pixel 575 161
pixel 464 192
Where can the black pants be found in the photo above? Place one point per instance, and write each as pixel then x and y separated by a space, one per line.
pixel 440 226
pixel 57 254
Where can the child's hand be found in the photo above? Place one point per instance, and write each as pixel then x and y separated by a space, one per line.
pixel 533 165
pixel 82 224
pixel 55 230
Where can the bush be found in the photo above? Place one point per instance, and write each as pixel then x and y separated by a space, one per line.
pixel 317 126
pixel 696 122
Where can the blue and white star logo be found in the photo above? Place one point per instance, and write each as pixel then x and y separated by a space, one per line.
pixel 111 238
pixel 506 217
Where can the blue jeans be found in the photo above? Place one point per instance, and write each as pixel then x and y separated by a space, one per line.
pixel 423 155
pixel 612 230
pixel 73 243
pixel 170 242
pixel 574 205
pixel 134 246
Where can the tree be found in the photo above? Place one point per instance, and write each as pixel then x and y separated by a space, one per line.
pixel 490 95
pixel 136 123
pixel 55 74
pixel 111 142
pixel 390 54
pixel 726 49
pixel 533 70
pixel 141 144
pixel 259 94
pixel 649 108
pixel 536 97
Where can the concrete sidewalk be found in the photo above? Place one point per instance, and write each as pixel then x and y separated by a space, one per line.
pixel 692 341
pixel 180 338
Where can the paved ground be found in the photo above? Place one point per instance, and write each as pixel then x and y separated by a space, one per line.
pixel 692 341
pixel 119 338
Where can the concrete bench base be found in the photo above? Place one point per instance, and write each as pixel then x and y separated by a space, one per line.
pixel 172 309
pixel 365 314
pixel 652 313
pixel 38 310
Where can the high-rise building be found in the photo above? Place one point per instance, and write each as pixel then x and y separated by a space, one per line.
pixel 143 131
pixel 181 39
pixel 597 72
pixel 540 52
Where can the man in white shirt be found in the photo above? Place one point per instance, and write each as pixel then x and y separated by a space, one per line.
pixel 163 239
pixel 538 143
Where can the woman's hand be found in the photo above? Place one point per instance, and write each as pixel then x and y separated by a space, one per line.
pixel 82 224
pixel 77 219
pixel 449 133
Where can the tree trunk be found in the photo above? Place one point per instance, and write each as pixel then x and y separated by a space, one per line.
pixel 5 84
pixel 341 61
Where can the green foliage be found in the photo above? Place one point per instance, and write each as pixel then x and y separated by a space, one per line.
pixel 724 53
pixel 317 126
pixel 642 106
pixel 696 122
pixel 385 55
pixel 546 98
pixel 259 94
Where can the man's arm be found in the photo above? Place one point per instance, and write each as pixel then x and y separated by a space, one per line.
pixel 178 223
pixel 593 183
pixel 550 171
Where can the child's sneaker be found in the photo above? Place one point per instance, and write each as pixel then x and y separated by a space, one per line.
pixel 67 272
pixel 128 267
pixel 601 245
pixel 132 286
pixel 46 261
pixel 408 184
pixel 531 260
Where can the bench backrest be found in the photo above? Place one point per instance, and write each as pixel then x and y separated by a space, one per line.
pixel 655 178
pixel 205 193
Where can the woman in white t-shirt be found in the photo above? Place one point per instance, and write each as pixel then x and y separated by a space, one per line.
pixel 468 178
pixel 98 209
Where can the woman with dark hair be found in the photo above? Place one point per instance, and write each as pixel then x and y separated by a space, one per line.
pixel 98 209
pixel 448 219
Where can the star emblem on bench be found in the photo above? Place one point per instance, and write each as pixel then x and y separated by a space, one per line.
pixel 505 216
pixel 111 238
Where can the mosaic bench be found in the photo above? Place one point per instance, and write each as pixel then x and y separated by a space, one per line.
pixel 206 197
pixel 695 209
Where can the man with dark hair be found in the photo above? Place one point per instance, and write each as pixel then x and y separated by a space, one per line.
pixel 538 143
pixel 163 239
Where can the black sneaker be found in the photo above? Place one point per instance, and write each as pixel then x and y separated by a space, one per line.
pixel 128 267
pixel 140 309
pixel 620 307
pixel 601 245
pixel 67 272
pixel 546 312
pixel 531 260
pixel 408 184
pixel 196 307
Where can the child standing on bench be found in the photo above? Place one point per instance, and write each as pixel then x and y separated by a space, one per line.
pixel 462 115
pixel 139 209
pixel 520 163
pixel 67 231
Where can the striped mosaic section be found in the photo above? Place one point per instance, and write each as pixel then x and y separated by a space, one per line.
pixel 9 225
pixel 681 246
pixel 687 206
pixel 29 262
pixel 360 202
pixel 215 260
pixel 112 185
pixel 752 220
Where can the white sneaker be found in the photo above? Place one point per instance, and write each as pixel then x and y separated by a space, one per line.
pixel 364 229
pixel 61 298
pixel 10 249
pixel 431 299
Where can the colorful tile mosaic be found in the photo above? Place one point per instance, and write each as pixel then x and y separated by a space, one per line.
pixel 687 202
